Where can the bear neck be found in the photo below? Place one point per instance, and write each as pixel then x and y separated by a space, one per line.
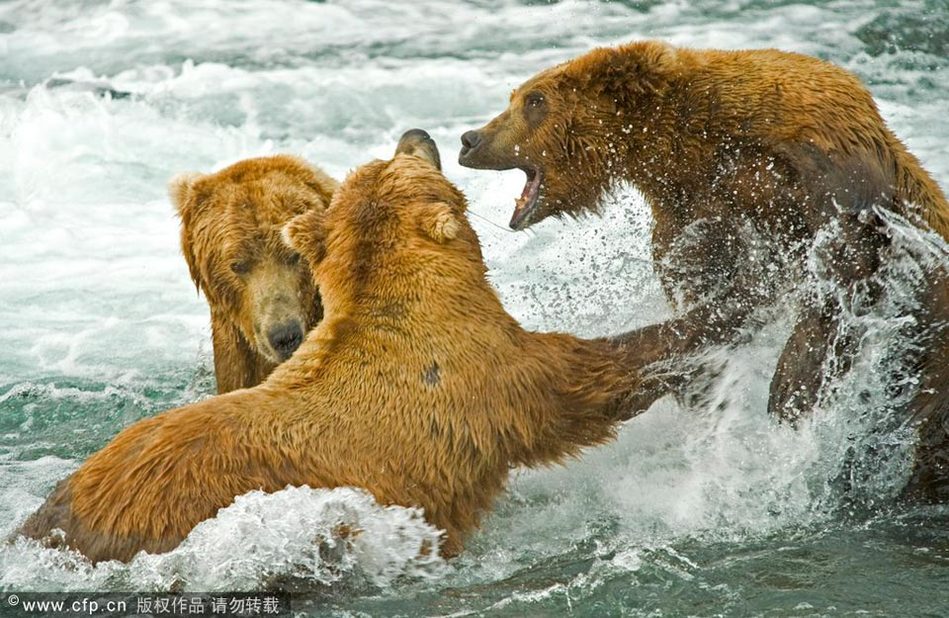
pixel 417 314
pixel 463 321
pixel 666 147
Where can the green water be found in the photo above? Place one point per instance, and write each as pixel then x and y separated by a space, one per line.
pixel 691 512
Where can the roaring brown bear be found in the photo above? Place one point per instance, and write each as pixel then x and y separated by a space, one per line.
pixel 262 298
pixel 416 386
pixel 728 147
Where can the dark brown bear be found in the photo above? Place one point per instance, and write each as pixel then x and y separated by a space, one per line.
pixel 727 146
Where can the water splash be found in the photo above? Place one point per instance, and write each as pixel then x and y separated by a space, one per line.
pixel 300 538
pixel 692 511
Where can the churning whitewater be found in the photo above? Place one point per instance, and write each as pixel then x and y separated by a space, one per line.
pixel 696 510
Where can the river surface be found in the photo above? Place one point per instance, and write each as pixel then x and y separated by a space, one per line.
pixel 710 510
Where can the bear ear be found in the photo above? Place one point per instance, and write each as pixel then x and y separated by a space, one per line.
pixel 438 221
pixel 628 70
pixel 181 192
pixel 306 234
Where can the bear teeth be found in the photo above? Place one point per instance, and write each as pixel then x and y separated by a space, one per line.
pixel 524 205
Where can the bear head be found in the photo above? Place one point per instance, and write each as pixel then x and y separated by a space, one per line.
pixel 230 237
pixel 395 243
pixel 569 128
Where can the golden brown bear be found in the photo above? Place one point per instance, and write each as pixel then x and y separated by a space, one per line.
pixel 262 298
pixel 728 147
pixel 416 386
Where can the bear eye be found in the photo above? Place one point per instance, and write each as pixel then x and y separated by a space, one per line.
pixel 241 267
pixel 534 99
pixel 293 259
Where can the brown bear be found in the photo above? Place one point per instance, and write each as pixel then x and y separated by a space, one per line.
pixel 416 386
pixel 262 298
pixel 728 147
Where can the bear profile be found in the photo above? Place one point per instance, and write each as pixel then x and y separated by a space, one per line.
pixel 416 385
pixel 262 298
pixel 729 147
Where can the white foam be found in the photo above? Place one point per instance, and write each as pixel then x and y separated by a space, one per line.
pixel 98 307
pixel 299 537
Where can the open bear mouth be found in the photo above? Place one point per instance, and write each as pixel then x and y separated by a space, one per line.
pixel 526 205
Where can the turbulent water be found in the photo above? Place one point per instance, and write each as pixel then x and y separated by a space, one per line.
pixel 705 511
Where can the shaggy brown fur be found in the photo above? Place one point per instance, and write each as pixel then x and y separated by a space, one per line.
pixel 720 142
pixel 417 386
pixel 262 299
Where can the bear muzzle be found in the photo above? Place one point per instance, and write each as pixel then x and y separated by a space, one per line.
pixel 419 143
pixel 285 338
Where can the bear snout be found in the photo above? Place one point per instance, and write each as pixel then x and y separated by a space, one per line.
pixel 481 149
pixel 419 143
pixel 285 338
pixel 470 141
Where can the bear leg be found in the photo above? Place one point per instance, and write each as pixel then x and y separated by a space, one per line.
pixel 815 354
pixel 930 405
